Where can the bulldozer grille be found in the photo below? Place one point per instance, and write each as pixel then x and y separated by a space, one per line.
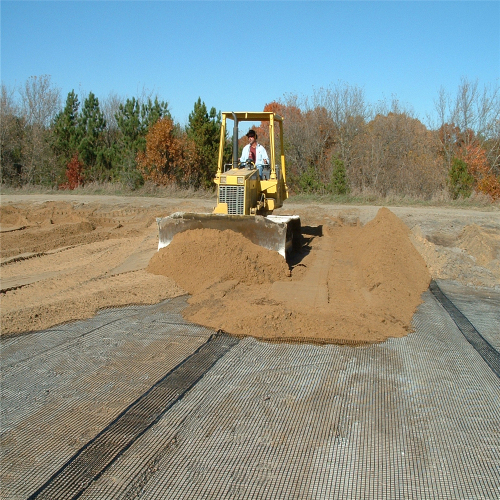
pixel 234 196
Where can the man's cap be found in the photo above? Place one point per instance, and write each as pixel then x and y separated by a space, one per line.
pixel 251 133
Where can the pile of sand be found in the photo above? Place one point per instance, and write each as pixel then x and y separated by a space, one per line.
pixel 201 258
pixel 362 284
pixel 471 258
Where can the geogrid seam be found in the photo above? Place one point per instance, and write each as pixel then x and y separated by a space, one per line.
pixel 481 306
pixel 88 464
pixel 413 418
pixel 482 346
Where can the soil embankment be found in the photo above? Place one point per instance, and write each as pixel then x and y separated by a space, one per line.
pixel 362 284
pixel 66 258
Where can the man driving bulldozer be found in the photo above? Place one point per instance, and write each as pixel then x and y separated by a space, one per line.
pixel 255 152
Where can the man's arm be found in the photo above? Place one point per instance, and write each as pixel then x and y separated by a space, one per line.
pixel 265 158
pixel 245 153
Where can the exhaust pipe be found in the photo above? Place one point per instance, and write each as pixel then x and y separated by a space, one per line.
pixel 235 141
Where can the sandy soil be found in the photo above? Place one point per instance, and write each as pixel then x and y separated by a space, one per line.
pixel 362 283
pixel 65 257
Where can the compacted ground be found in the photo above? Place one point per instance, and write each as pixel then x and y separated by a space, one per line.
pixel 358 277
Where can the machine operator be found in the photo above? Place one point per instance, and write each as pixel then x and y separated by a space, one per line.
pixel 255 152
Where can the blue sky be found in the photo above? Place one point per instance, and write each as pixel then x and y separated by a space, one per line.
pixel 241 55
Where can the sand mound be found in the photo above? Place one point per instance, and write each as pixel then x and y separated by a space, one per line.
pixel 483 245
pixel 472 257
pixel 392 268
pixel 200 258
pixel 362 283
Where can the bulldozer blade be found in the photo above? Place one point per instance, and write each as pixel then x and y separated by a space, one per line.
pixel 276 233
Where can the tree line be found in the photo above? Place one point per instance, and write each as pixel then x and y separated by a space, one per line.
pixel 335 141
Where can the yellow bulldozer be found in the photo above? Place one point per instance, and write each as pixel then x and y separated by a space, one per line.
pixel 245 199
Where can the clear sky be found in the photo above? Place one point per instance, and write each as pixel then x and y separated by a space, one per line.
pixel 238 56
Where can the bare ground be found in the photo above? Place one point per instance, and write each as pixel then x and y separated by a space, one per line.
pixel 64 257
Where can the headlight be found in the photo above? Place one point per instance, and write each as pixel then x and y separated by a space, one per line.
pixel 223 180
pixel 241 180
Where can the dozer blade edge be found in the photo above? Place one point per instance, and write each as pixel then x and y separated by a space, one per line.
pixel 275 232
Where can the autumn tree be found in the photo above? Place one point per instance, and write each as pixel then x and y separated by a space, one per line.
pixel 308 137
pixel 472 114
pixel 474 156
pixel 74 174
pixel 292 116
pixel 396 156
pixel 169 155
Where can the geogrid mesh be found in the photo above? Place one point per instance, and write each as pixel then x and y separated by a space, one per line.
pixel 416 417
pixel 478 341
pixel 480 306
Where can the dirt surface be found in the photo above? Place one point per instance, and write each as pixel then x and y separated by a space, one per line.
pixel 363 283
pixel 64 257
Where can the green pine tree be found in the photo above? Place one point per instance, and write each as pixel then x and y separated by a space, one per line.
pixel 339 183
pixel 65 132
pixel 460 181
pixel 151 112
pixel 92 149
pixel 309 181
pixel 204 129
pixel 129 123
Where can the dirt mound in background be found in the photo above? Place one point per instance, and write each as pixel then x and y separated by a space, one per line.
pixel 201 258
pixel 481 244
pixel 362 284
pixel 42 227
pixel 34 215
pixel 472 257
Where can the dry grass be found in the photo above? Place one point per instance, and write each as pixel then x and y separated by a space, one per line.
pixel 115 189
pixel 440 199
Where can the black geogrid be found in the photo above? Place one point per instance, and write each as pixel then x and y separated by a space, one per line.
pixel 89 463
pixel 482 346
pixel 411 418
